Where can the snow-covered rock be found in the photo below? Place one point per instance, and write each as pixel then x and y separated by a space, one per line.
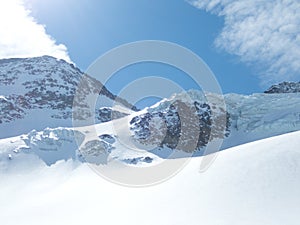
pixel 183 125
pixel 52 145
pixel 244 119
pixel 260 116
pixel 39 92
pixel 158 130
pixel 96 151
pixel 56 144
pixel 105 114
pixel 284 87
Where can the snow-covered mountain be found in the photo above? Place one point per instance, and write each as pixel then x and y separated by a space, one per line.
pixel 45 178
pixel 36 93
pixel 284 87
pixel 243 119
pixel 155 133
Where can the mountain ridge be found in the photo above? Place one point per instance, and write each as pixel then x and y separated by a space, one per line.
pixel 44 90
pixel 45 86
pixel 284 87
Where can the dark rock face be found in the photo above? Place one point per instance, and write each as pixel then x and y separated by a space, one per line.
pixel 106 114
pixel 284 87
pixel 177 126
pixel 108 138
pixel 137 160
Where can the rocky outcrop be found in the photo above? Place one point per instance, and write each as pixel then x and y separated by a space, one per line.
pixel 284 87
pixel 182 125
pixel 105 114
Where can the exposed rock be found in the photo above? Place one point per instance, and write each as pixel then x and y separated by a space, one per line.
pixel 96 151
pixel 106 114
pixel 184 126
pixel 284 87
pixel 47 86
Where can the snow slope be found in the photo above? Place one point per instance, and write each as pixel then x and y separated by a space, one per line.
pixel 36 93
pixel 252 184
pixel 251 118
pixel 43 179
pixel 259 116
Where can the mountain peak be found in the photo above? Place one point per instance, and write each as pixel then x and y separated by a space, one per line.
pixel 39 92
pixel 284 87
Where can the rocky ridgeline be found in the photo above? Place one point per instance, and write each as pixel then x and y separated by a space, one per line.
pixel 47 83
pixel 284 87
pixel 106 114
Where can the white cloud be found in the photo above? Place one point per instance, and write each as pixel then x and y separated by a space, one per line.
pixel 22 36
pixel 261 32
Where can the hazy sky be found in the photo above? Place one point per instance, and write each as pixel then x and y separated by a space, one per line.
pixel 248 44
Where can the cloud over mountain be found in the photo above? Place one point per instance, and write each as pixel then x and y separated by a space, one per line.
pixel 22 36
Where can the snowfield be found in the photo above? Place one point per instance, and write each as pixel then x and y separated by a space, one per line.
pixel 255 183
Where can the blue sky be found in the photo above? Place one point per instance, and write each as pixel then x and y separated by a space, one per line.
pixel 248 44
pixel 90 28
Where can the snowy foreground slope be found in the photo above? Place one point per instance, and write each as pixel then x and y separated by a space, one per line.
pixel 256 183
pixel 45 176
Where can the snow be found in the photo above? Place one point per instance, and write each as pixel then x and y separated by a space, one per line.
pixel 37 119
pixel 46 179
pixel 252 117
pixel 256 183
pixel 260 116
pixel 36 93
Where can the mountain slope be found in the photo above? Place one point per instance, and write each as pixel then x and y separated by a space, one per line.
pixel 244 118
pixel 253 184
pixel 39 92
pixel 149 136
